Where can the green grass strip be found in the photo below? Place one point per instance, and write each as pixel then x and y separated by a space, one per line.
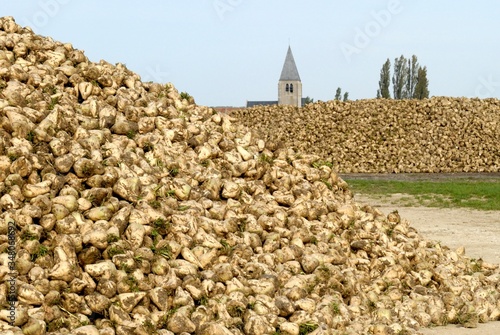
pixel 463 193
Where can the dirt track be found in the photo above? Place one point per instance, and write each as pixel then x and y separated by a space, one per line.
pixel 422 176
pixel 477 231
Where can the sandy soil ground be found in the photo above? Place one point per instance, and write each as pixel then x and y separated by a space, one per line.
pixel 477 231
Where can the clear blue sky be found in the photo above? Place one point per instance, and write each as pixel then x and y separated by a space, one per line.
pixel 224 52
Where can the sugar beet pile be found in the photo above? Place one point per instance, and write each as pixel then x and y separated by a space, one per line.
pixel 441 134
pixel 139 212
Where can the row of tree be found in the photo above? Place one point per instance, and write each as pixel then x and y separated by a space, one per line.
pixel 409 80
pixel 338 94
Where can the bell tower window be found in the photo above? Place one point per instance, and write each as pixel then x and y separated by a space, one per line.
pixel 291 88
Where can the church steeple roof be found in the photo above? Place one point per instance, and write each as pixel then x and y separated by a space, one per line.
pixel 289 71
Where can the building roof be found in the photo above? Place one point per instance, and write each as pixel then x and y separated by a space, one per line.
pixel 261 103
pixel 289 71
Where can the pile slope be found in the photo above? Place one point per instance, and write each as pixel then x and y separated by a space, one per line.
pixel 440 134
pixel 126 209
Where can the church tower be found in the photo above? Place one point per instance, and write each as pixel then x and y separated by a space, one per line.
pixel 289 85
